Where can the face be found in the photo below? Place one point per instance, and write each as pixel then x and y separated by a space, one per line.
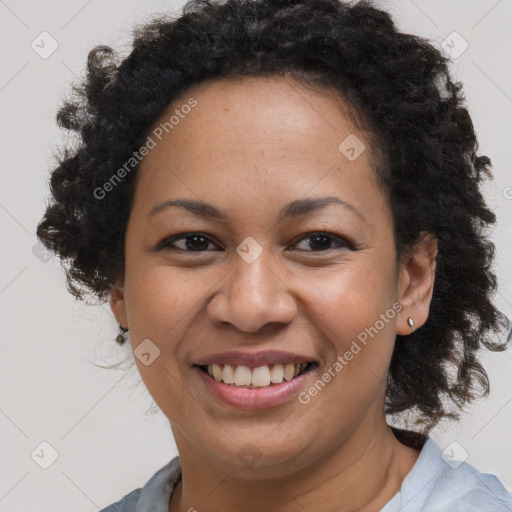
pixel 269 272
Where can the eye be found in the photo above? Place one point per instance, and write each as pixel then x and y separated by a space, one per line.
pixel 191 242
pixel 320 241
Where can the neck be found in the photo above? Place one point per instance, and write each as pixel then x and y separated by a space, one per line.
pixel 361 475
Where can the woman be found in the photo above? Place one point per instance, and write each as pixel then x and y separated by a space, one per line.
pixel 281 202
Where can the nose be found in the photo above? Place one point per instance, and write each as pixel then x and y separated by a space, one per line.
pixel 252 296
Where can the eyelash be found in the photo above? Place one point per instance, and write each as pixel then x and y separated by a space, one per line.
pixel 342 242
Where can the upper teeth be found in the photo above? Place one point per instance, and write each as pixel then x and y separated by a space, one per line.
pixel 259 377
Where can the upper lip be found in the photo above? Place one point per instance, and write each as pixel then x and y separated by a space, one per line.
pixel 253 359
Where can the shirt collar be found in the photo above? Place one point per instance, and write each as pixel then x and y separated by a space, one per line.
pixel 156 494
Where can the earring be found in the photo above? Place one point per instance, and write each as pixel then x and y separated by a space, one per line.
pixel 410 321
pixel 120 338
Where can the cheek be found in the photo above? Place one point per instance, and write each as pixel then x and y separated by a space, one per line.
pixel 353 296
pixel 357 346
pixel 353 308
pixel 159 300
pixel 160 305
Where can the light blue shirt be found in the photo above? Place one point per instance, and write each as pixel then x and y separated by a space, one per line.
pixel 432 485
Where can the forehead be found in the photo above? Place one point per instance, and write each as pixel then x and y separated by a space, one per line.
pixel 258 110
pixel 267 136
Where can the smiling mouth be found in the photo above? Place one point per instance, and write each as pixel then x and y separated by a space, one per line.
pixel 263 376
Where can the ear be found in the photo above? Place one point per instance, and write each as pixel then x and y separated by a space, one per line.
pixel 416 283
pixel 117 303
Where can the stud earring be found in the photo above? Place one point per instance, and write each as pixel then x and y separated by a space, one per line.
pixel 120 338
pixel 410 321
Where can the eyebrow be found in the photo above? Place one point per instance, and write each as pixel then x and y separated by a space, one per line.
pixel 296 208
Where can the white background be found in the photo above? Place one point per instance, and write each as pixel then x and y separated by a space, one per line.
pixel 95 419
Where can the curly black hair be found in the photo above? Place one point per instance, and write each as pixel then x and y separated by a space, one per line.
pixel 399 84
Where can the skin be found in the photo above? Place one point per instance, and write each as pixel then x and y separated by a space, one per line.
pixel 249 147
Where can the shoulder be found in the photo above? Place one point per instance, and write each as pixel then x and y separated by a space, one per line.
pixel 156 493
pixel 462 488
pixel 440 483
pixel 125 504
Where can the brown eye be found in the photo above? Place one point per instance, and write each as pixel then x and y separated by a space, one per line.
pixel 190 242
pixel 320 241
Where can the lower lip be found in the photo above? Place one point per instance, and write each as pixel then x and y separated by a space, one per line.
pixel 262 398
